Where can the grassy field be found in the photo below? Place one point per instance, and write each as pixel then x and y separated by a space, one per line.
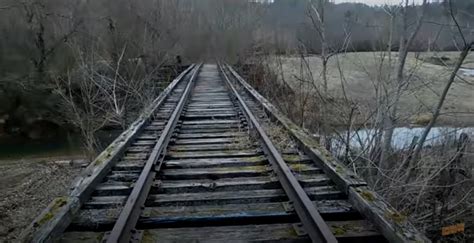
pixel 359 72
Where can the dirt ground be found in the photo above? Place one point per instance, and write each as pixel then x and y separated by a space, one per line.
pixel 359 72
pixel 27 186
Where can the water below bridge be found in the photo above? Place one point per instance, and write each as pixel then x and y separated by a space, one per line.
pixel 403 136
pixel 64 145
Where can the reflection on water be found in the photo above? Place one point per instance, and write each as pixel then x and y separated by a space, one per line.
pixel 403 136
pixel 20 147
pixel 66 144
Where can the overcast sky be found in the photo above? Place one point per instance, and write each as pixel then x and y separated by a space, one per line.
pixel 376 2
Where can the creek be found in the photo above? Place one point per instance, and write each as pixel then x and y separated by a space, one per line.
pixel 403 136
pixel 467 71
pixel 62 145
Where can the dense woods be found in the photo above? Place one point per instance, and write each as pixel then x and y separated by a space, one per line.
pixel 48 48
pixel 288 25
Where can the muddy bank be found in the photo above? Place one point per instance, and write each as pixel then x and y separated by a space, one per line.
pixel 28 186
pixel 33 173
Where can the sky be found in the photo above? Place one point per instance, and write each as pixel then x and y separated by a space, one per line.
pixel 376 2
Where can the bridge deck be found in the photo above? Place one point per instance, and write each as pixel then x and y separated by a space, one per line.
pixel 216 182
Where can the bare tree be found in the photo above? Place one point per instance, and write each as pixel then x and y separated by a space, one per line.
pixel 318 19
pixel 407 36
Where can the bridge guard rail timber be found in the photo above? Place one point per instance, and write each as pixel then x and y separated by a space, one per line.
pixel 391 223
pixel 57 216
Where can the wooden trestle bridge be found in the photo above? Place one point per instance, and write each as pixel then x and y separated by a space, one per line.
pixel 201 165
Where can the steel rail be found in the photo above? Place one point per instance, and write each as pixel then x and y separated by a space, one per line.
pixel 313 223
pixel 123 229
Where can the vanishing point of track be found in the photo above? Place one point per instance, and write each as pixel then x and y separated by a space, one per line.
pixel 198 165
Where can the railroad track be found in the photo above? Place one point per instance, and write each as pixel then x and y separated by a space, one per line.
pixel 202 164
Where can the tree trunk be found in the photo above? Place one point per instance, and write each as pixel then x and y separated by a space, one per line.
pixel 392 108
pixel 325 76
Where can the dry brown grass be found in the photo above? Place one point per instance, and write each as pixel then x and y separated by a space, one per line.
pixel 360 71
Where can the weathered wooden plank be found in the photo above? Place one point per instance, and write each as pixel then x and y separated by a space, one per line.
pixel 210 106
pixel 214 126
pixel 216 198
pixel 334 209
pixel 208 147
pixel 186 130
pixel 249 196
pixel 100 202
pixel 215 162
pixel 213 135
pixel 125 176
pixel 138 149
pixel 263 232
pixel 217 110
pixel 149 136
pixel 157 123
pixel 226 184
pixel 214 234
pixel 211 122
pixel 211 110
pixel 295 158
pixel 205 140
pixel 314 180
pixel 250 183
pixel 210 102
pixel 214 93
pixel 161 116
pixel 103 219
pixel 191 186
pixel 134 154
pixel 79 237
pixel 115 188
pixel 214 154
pixel 211 98
pixel 125 165
pixel 206 94
pixel 222 162
pixel 304 169
pixel 144 142
pixel 214 173
pixel 154 128
pixel 209 115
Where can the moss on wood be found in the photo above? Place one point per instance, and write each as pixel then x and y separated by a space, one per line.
pixel 367 195
pixel 53 210
pixel 396 217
